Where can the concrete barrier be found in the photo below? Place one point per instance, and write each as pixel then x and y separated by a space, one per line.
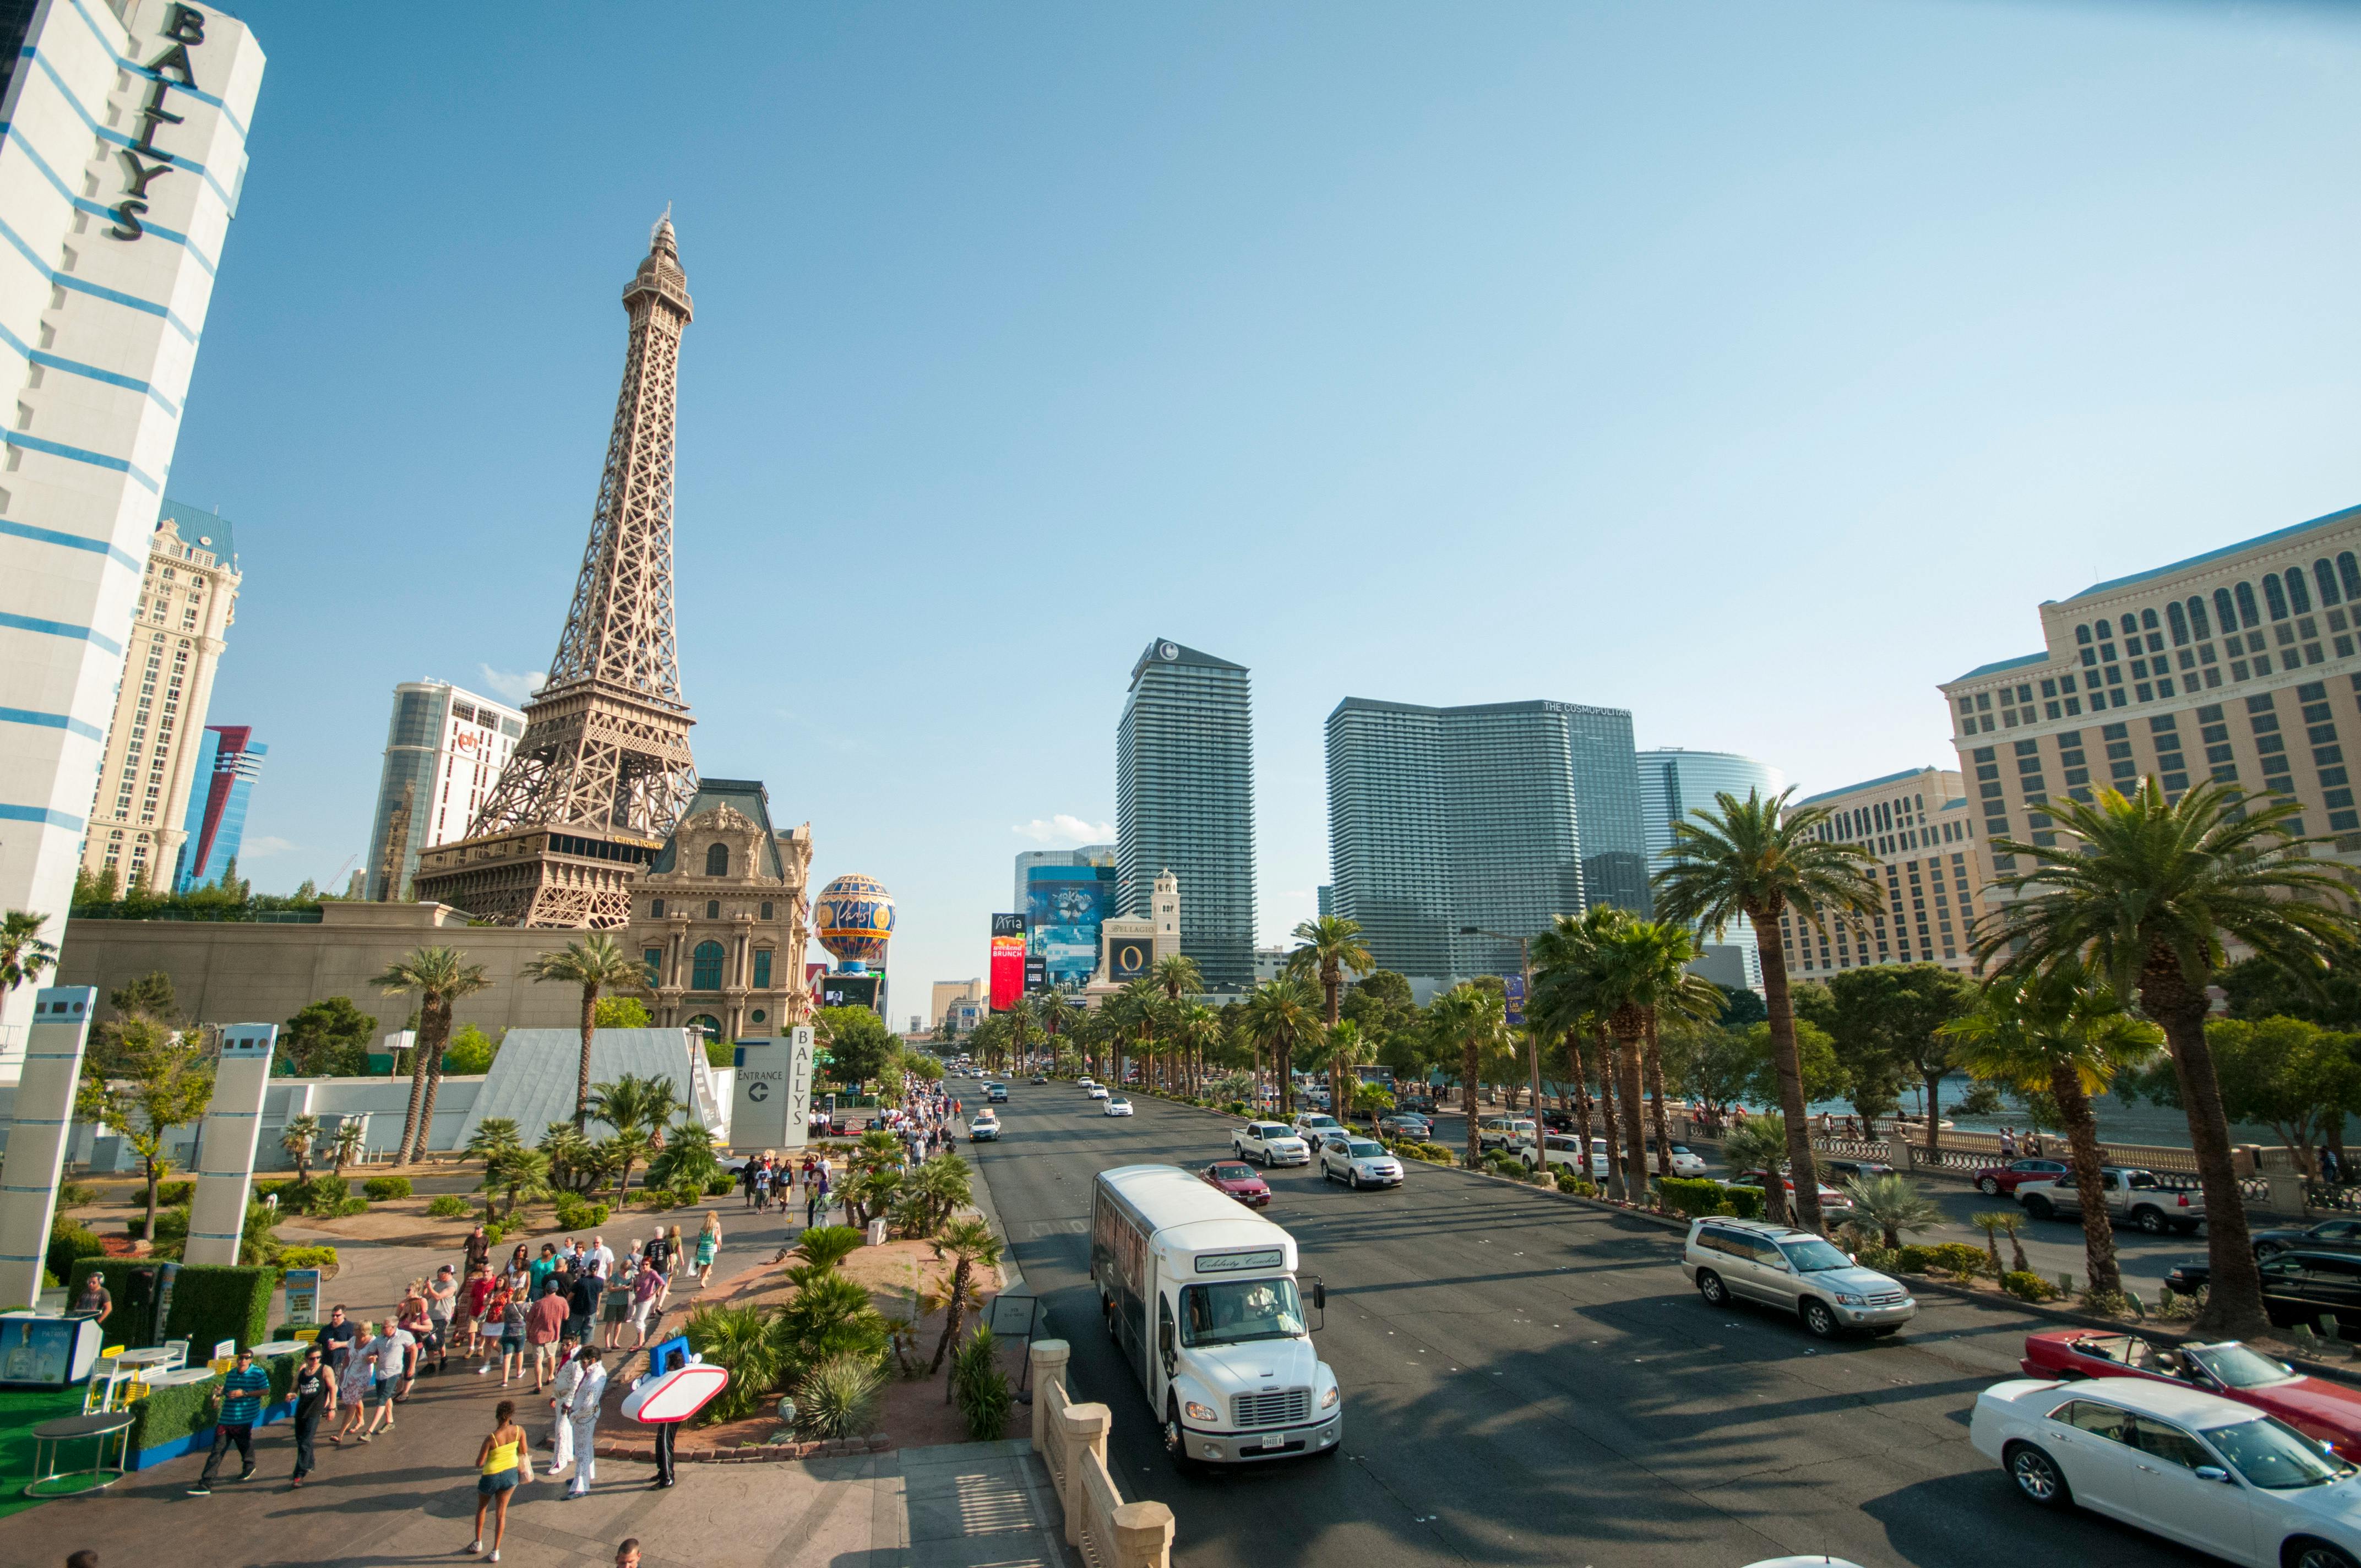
pixel 1070 1437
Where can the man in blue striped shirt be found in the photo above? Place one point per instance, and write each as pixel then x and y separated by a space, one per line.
pixel 244 1388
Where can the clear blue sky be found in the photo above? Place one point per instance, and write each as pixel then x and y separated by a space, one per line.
pixel 1752 367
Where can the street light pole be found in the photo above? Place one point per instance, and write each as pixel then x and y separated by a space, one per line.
pixel 1532 1036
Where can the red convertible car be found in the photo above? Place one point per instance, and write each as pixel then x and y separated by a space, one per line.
pixel 2323 1411
pixel 1993 1180
pixel 1239 1181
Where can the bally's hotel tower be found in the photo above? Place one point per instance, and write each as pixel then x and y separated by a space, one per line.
pixel 123 127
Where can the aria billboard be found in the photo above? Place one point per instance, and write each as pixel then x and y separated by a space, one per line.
pixel 1067 906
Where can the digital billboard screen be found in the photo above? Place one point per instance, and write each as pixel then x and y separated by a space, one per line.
pixel 848 990
pixel 1130 958
pixel 1007 971
pixel 1067 906
pixel 1036 977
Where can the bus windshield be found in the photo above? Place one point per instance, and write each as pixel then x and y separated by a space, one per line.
pixel 1235 1311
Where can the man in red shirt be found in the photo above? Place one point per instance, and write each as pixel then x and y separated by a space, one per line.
pixel 544 1322
pixel 480 1284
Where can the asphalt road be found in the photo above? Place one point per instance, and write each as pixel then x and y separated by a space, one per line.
pixel 2053 1246
pixel 1529 1380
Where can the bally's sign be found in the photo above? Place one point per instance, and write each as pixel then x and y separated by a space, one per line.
pixel 183 27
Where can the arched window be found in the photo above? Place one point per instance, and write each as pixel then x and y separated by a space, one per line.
pixel 717 859
pixel 2148 620
pixel 2178 621
pixel 2197 617
pixel 2247 616
pixel 2130 627
pixel 2349 572
pixel 2325 576
pixel 2225 612
pixel 706 1024
pixel 2273 595
pixel 704 974
pixel 2298 595
pixel 2083 634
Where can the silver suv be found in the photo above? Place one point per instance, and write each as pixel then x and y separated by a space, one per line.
pixel 1755 1260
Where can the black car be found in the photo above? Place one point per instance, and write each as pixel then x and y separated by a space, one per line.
pixel 2305 1287
pixel 1851 1170
pixel 1040 1078
pixel 2190 1277
pixel 1422 1103
pixel 2329 1235
pixel 1557 1121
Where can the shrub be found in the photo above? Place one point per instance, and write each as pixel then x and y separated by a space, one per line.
pixel 1916 1259
pixel 1884 1259
pixel 385 1189
pixel 2175 1308
pixel 77 1195
pixel 320 1195
pixel 346 1208
pixel 1744 1202
pixel 829 1316
pixel 1961 1258
pixel 720 1186
pixel 449 1206
pixel 169 1194
pixel 1694 1198
pixel 981 1389
pixel 68 1241
pixel 323 1259
pixel 739 1338
pixel 1569 1182
pixel 828 1245
pixel 495 1234
pixel 2107 1303
pixel 2027 1286
pixel 837 1397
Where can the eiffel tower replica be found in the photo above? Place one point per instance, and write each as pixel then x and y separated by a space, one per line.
pixel 603 771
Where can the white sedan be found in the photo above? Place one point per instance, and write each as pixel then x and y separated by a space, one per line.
pixel 1118 1107
pixel 2189 1467
pixel 1098 1092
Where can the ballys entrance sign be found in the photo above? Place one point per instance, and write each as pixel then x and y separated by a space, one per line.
pixel 184 26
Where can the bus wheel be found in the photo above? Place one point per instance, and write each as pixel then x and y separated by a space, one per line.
pixel 1175 1440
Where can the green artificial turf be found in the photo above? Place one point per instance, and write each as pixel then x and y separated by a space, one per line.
pixel 22 1409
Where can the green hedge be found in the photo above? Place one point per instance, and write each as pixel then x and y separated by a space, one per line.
pixel 1745 1202
pixel 384 1188
pixel 210 1303
pixel 67 1242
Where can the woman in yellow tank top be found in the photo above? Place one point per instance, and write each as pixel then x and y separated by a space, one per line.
pixel 502 1462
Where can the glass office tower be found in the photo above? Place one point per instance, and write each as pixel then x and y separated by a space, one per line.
pixel 1184 803
pixel 1501 816
pixel 1674 784
pixel 227 765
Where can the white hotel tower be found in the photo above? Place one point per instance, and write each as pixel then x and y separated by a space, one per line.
pixel 123 129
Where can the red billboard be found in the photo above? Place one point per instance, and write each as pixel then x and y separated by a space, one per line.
pixel 1007 971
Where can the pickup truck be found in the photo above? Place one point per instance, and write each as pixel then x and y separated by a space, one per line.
pixel 2140 1196
pixel 1272 1142
pixel 1315 1128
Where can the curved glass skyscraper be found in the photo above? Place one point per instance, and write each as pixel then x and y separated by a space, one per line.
pixel 1674 783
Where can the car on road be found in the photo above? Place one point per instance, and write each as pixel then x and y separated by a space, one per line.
pixel 1755 1260
pixel 2329 1235
pixel 2193 1467
pixel 1856 1169
pixel 1118 1107
pixel 1684 1164
pixel 1557 1121
pixel 2141 1197
pixel 2304 1286
pixel 2323 1411
pixel 1504 1132
pixel 1358 1163
pixel 1239 1181
pixel 1084 1081
pixel 1993 1180
pixel 1273 1142
pixel 1423 1104
pixel 984 1127
pixel 1040 1078
pixel 996 1092
pixel 1557 1149
pixel 1316 1128
pixel 1831 1200
pixel 1097 1092
pixel 1404 1124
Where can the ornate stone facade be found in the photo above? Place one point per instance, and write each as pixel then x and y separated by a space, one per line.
pixel 720 917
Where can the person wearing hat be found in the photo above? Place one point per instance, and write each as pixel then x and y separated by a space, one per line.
pixel 237 1405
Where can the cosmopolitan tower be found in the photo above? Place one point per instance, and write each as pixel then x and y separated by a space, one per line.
pixel 122 154
pixel 603 771
pixel 1184 803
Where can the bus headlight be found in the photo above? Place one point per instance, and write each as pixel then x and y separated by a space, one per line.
pixel 1197 1412
pixel 1328 1400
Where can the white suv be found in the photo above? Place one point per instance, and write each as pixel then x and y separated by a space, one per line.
pixel 1273 1142
pixel 1796 1271
pixel 1358 1163
pixel 1561 1149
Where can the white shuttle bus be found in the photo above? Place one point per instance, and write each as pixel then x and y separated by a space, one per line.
pixel 1199 1295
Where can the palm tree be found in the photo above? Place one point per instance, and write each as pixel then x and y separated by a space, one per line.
pixel 1194 1029
pixel 1282 1017
pixel 1470 1020
pixel 1347 1049
pixel 441 976
pixel 1057 1010
pixel 1329 946
pixel 1021 1031
pixel 573 1159
pixel 297 1138
pixel 687 1159
pixel 23 954
pixel 1893 1204
pixel 1637 972
pixel 595 963
pixel 522 1172
pixel 2063 1033
pixel 634 1107
pixel 1175 973
pixel 971 1243
pixel 1761 859
pixel 2143 896
pixel 347 1149
pixel 1760 1143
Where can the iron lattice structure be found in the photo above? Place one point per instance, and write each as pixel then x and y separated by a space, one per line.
pixel 603 771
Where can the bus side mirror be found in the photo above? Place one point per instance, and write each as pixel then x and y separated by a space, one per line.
pixel 1320 1295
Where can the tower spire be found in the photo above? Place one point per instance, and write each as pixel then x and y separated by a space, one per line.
pixel 603 770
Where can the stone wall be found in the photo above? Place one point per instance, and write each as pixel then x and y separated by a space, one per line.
pixel 240 972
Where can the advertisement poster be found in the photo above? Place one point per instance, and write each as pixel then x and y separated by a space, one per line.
pixel 1007 970
pixel 848 990
pixel 1036 977
pixel 1067 906
pixel 1130 958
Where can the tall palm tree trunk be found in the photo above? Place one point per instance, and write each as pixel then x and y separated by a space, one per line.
pixel 2083 1146
pixel 1628 1028
pixel 417 1084
pixel 1780 1005
pixel 2233 1297
pixel 582 1073
pixel 1581 1099
pixel 1607 1098
pixel 434 1030
pixel 1934 1116
pixel 1467 1094
pixel 1663 1128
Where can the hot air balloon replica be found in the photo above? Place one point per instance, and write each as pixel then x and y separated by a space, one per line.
pixel 854 917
